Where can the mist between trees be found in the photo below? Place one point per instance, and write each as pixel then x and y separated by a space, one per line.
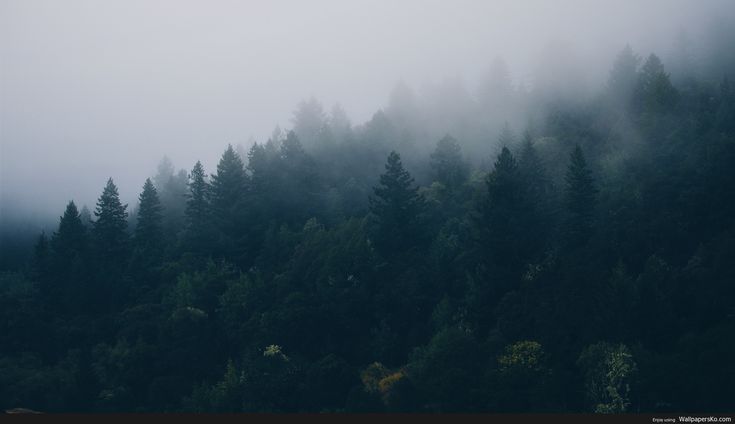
pixel 534 250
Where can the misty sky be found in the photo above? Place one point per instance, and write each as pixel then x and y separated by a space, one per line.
pixel 91 89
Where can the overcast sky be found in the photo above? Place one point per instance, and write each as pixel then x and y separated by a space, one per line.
pixel 91 89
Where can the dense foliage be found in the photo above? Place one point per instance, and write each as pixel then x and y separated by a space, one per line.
pixel 585 266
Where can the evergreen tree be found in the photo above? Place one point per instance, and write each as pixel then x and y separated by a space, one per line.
pixel 70 239
pixel 228 188
pixel 228 184
pixel 538 191
pixel 502 216
pixel 67 265
pixel 164 172
pixel 623 77
pixel 396 206
pixel 171 188
pixel 580 199
pixel 110 228
pixel 309 121
pixel 292 150
pixel 447 164
pixel 198 214
pixel 148 230
pixel 265 179
pixel 258 167
pixel 298 182
pixel 531 168
pixel 654 91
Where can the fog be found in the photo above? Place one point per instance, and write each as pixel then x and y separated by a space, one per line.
pixel 92 89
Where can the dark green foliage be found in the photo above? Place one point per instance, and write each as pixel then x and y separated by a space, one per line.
pixel 609 373
pixel 298 182
pixel 448 372
pixel 579 199
pixel 65 263
pixel 197 208
pixel 148 239
pixel 397 207
pixel 654 92
pixel 540 196
pixel 321 278
pixel 522 376
pixel 198 229
pixel 110 227
pixel 70 239
pixel 148 229
pixel 539 187
pixel 228 189
pixel 503 214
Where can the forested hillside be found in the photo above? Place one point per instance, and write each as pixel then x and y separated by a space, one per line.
pixel 586 264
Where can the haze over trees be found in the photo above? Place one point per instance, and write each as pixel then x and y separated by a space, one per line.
pixel 577 260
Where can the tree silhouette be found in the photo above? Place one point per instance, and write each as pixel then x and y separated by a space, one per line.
pixel 580 199
pixel 396 206
pixel 110 228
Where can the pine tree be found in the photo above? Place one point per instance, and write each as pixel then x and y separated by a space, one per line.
pixel 148 240
pixel 309 121
pixel 70 239
pixel 533 172
pixel 538 192
pixel 148 230
pixel 623 77
pixel 165 172
pixel 171 188
pixel 260 167
pixel 198 214
pixel 110 229
pixel 292 151
pixel 580 199
pixel 502 214
pixel 298 182
pixel 228 188
pixel 447 165
pixel 228 185
pixel 396 206
pixel 67 262
pixel 654 92
pixel 197 203
pixel 264 178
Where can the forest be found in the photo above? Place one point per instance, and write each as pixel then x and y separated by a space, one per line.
pixel 580 259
